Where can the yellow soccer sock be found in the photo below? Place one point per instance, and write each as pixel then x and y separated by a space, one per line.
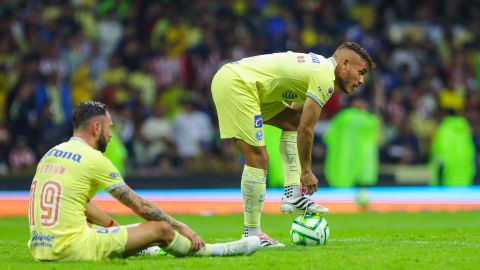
pixel 180 247
pixel 253 193
pixel 291 161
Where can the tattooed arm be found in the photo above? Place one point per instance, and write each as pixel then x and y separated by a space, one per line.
pixel 142 207
pixel 151 212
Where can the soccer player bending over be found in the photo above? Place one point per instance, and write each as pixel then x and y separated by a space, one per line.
pixel 71 173
pixel 269 89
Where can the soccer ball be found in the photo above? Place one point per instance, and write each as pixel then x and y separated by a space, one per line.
pixel 310 230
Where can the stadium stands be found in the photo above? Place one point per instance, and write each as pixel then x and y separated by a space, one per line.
pixel 152 62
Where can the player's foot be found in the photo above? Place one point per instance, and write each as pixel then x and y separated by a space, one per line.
pixel 301 204
pixel 267 241
pixel 244 246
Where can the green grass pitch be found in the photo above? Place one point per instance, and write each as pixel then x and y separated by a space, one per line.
pixel 357 241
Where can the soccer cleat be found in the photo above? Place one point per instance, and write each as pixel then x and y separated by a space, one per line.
pixel 244 246
pixel 301 204
pixel 267 241
pixel 152 251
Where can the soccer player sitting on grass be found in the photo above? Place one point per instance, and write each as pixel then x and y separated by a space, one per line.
pixel 269 89
pixel 70 174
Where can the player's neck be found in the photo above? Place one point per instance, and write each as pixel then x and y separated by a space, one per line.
pixel 85 139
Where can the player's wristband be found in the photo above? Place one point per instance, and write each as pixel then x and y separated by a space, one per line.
pixel 112 223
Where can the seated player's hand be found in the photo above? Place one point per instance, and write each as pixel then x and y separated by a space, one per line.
pixel 197 241
pixel 112 223
pixel 309 182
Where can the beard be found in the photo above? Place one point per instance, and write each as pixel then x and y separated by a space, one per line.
pixel 340 84
pixel 342 87
pixel 102 143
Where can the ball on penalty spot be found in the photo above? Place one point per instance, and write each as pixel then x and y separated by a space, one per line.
pixel 310 230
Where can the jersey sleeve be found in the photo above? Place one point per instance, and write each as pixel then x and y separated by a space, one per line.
pixel 106 175
pixel 320 88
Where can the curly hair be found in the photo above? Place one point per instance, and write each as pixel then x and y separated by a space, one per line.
pixel 86 110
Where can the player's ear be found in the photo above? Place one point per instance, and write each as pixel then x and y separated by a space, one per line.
pixel 95 127
pixel 346 63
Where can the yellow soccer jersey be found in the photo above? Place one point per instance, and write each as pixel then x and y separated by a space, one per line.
pixel 288 77
pixel 67 177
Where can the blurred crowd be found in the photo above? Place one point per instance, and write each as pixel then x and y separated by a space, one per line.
pixel 152 63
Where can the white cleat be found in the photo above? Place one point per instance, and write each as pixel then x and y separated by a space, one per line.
pixel 302 205
pixel 246 246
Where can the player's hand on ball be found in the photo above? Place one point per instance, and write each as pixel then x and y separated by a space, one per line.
pixel 197 241
pixel 309 182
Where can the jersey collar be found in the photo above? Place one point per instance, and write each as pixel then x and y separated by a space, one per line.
pixel 74 138
pixel 334 63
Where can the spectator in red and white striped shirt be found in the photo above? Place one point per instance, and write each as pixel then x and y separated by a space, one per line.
pixel 21 156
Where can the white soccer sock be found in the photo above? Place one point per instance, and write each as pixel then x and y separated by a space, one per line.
pixel 251 231
pixel 217 249
pixel 290 159
pixel 253 193
pixel 291 192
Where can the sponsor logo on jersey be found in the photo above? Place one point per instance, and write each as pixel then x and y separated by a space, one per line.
pixel 257 121
pixel 102 230
pixel 301 59
pixel 289 95
pixel 112 230
pixel 36 236
pixel 314 58
pixel 63 154
pixel 41 240
pixel 259 135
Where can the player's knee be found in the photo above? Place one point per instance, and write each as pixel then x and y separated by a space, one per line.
pixel 262 160
pixel 257 161
pixel 163 231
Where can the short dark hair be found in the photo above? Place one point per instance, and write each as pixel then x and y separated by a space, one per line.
pixel 86 110
pixel 360 51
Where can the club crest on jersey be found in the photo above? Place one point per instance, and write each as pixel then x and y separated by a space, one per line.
pixel 259 135
pixel 289 95
pixel 330 90
pixel 257 121
pixel 113 175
